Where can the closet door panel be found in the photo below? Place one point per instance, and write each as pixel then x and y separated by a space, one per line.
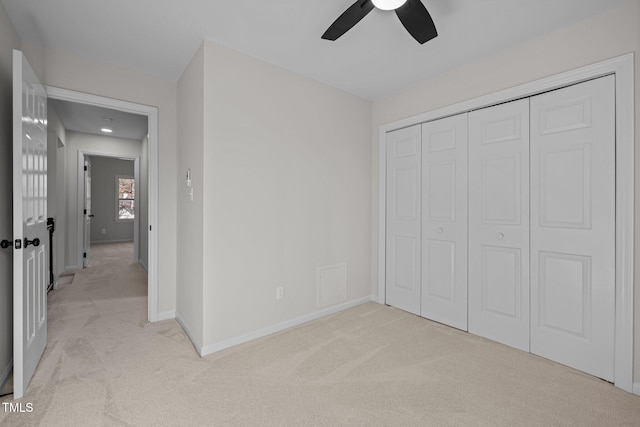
pixel 499 223
pixel 403 247
pixel 501 280
pixel 573 226
pixel 444 221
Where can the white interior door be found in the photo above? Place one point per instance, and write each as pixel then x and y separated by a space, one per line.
pixel 403 219
pixel 573 226
pixel 444 221
pixel 86 256
pixel 30 258
pixel 499 223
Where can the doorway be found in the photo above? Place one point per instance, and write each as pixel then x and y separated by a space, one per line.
pixel 150 219
pixel 112 197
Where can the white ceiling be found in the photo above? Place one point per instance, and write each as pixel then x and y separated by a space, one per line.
pixel 374 59
pixel 90 119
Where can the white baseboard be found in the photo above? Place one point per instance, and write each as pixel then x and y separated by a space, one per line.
pixel 99 242
pixel 6 373
pixel 166 315
pixel 186 330
pixel 636 389
pixel 278 327
pixel 143 265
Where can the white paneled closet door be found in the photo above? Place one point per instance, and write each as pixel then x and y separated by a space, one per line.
pixel 403 219
pixel 499 223
pixel 444 221
pixel 573 226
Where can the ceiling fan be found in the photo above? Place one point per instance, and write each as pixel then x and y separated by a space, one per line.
pixel 412 13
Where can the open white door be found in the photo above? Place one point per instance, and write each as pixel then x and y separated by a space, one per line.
pixel 30 260
pixel 87 213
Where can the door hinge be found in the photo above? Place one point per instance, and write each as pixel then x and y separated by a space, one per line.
pixel 85 211
pixel 85 168
pixel 149 228
pixel 18 244
pixel 84 255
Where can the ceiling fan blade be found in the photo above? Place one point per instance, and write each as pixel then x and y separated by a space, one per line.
pixel 348 19
pixel 417 20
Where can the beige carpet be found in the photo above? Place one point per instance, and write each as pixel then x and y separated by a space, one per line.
pixel 368 366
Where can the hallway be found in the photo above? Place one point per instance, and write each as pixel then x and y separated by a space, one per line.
pixel 112 289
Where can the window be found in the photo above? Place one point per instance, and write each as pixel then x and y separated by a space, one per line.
pixel 126 195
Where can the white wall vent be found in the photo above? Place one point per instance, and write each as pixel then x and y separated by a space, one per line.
pixel 332 284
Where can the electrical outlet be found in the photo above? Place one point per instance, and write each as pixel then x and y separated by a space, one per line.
pixel 280 292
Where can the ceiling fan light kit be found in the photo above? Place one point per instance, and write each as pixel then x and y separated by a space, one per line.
pixel 388 4
pixel 412 14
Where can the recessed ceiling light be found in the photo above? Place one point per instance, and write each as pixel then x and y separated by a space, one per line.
pixel 106 130
pixel 388 4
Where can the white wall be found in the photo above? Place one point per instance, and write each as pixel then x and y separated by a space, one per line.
pixel 56 207
pixel 68 71
pixel 189 305
pixel 104 171
pixel 608 35
pixel 8 41
pixel 286 191
pixel 91 144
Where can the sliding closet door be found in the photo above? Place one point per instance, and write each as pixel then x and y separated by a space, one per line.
pixel 403 219
pixel 499 223
pixel 573 226
pixel 444 221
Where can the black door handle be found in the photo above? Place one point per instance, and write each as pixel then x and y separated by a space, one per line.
pixel 91 216
pixel 5 244
pixel 34 242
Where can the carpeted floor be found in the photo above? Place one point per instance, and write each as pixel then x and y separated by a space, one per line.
pixel 369 366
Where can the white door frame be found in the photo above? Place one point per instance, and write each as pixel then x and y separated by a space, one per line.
pixel 82 202
pixel 623 69
pixel 152 115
